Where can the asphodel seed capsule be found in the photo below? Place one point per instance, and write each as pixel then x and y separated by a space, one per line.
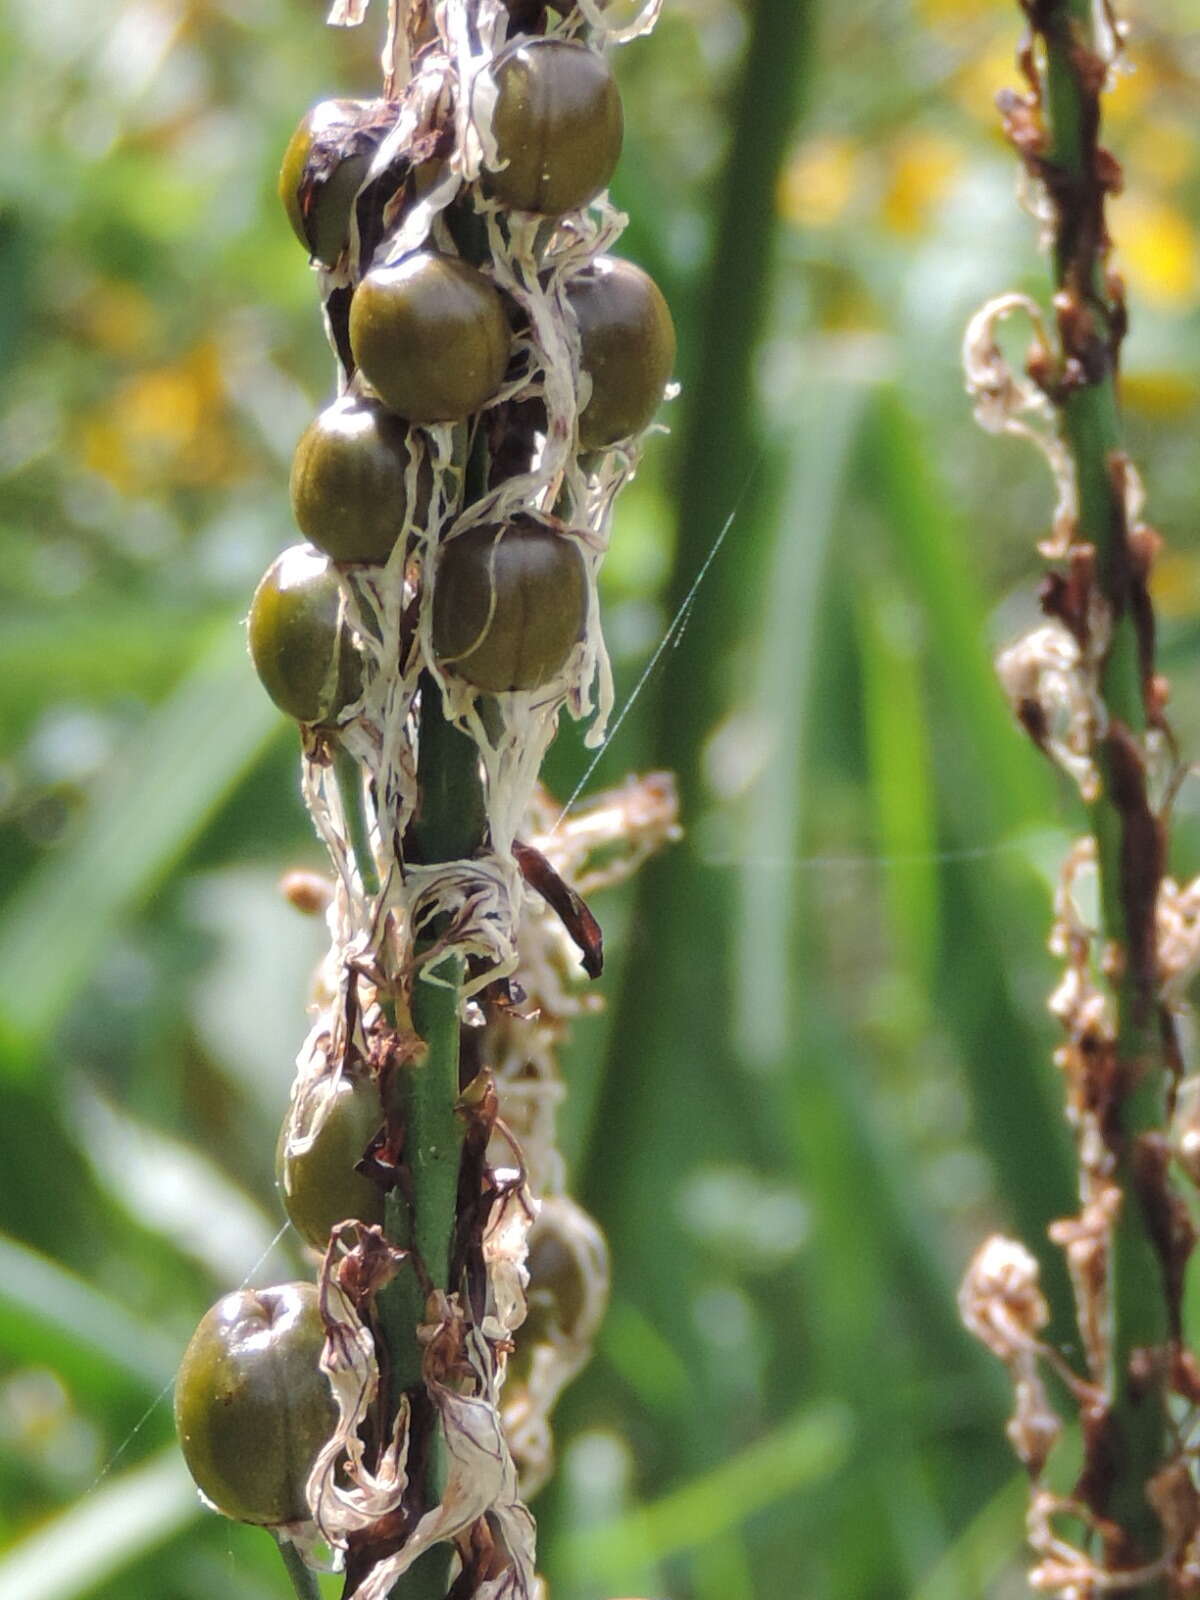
pixel 300 644
pixel 252 1406
pixel 319 1185
pixel 509 604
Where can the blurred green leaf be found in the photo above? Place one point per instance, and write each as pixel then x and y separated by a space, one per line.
pixel 985 1549
pixel 818 449
pixel 800 1453
pixel 194 748
pixel 173 1189
pixel 48 1314
pixel 895 728
pixel 105 1531
pixel 96 651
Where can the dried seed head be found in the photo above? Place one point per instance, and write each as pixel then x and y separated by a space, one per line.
pixel 1008 403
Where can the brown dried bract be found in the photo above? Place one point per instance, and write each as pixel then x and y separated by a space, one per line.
pixel 1141 862
pixel 569 907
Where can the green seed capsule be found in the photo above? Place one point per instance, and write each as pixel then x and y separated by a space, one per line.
pixel 299 642
pixel 252 1407
pixel 430 336
pixel 324 166
pixel 508 608
pixel 627 348
pixel 319 1186
pixel 349 481
pixel 558 125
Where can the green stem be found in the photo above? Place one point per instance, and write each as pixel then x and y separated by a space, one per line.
pixel 450 818
pixel 434 1129
pixel 427 1092
pixel 1136 1446
pixel 304 1580
pixel 448 826
pixel 349 777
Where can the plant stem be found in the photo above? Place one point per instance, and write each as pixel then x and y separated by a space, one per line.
pixel 304 1580
pixel 1134 1446
pixel 448 826
pixel 349 777
pixel 450 816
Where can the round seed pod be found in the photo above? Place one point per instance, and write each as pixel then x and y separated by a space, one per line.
pixel 558 126
pixel 627 348
pixel 430 336
pixel 299 641
pixel 252 1407
pixel 349 481
pixel 324 166
pixel 319 1186
pixel 508 605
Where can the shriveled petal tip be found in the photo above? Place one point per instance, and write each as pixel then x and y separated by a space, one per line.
pixel 347 13
pixel 641 23
pixel 1011 402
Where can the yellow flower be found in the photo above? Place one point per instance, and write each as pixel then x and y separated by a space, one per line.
pixel 819 182
pixel 1156 251
pixel 1175 584
pixel 165 426
pixel 920 169
pixel 1160 393
pixel 117 317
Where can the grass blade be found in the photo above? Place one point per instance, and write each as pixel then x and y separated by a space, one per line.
pixel 804 1451
pixel 191 753
pixel 103 1533
pixel 48 1314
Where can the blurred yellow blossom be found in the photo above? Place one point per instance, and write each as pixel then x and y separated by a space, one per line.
pixel 1156 250
pixel 1159 393
pixel 1175 584
pixel 819 182
pixel 920 168
pixel 165 427
pixel 117 317
pixel 1160 149
pixel 940 12
pixel 1130 90
pixel 982 76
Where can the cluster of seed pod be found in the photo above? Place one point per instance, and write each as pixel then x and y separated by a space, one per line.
pixel 496 369
pixel 431 342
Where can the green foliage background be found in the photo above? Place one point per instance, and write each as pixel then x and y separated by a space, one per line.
pixel 823 1070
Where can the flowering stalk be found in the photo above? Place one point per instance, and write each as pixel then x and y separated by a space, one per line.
pixel 496 372
pixel 1085 688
